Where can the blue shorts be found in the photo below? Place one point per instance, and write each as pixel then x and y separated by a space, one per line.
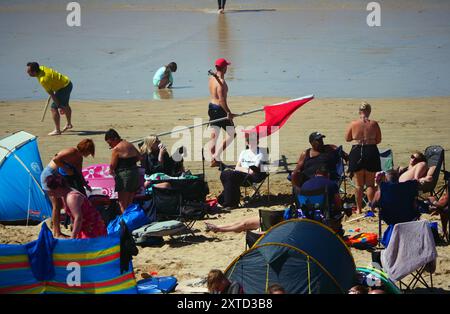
pixel 48 171
pixel 63 96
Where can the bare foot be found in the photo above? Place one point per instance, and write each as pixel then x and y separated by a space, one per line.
pixel 67 127
pixel 210 227
pixel 215 163
pixel 55 132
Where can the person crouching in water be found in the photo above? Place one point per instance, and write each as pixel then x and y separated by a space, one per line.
pixel 87 222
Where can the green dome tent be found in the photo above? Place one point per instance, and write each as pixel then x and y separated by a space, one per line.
pixel 301 255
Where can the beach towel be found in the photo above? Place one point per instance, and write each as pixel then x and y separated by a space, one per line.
pixel 410 247
pixel 277 115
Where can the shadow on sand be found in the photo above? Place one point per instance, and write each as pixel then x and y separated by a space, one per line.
pixel 84 133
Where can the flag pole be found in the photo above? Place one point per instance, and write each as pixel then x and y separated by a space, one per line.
pixel 221 119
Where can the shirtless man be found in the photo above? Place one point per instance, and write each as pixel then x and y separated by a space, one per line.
pixel 364 158
pixel 59 87
pixel 69 163
pixel 218 108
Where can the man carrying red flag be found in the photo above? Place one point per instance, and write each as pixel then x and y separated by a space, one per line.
pixel 218 108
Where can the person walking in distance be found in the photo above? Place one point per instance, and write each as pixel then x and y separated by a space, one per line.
pixel 221 5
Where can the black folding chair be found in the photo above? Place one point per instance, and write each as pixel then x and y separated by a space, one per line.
pixel 267 219
pixel 256 186
pixel 168 204
pixel 435 158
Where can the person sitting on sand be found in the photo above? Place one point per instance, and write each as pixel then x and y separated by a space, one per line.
pixel 163 77
pixel 69 163
pixel 217 283
pixel 416 170
pixel 123 167
pixel 312 158
pixel 87 221
pixel 59 87
pixel 248 167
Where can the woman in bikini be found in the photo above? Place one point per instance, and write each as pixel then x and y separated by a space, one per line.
pixel 69 163
pixel 364 157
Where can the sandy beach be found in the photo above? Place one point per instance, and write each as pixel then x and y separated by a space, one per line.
pixel 407 125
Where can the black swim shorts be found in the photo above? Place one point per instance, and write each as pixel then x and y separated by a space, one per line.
pixel 216 112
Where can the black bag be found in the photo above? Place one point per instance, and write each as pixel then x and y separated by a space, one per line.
pixel 193 209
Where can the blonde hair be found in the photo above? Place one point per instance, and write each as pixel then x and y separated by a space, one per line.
pixel 146 147
pixel 365 107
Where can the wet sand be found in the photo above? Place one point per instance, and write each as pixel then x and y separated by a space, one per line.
pixel 406 124
pixel 277 48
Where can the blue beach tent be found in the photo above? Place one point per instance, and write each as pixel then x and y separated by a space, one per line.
pixel 21 196
pixel 302 255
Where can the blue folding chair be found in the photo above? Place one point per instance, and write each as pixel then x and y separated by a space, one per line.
pixel 397 204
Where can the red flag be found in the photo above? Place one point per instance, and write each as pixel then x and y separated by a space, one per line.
pixel 277 115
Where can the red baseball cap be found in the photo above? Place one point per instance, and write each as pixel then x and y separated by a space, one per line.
pixel 222 63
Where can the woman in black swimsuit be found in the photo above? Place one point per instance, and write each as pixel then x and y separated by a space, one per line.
pixel 364 158
pixel 123 167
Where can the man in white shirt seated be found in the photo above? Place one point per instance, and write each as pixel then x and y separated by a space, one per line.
pixel 249 167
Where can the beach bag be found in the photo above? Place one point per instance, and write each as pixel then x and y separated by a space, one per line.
pixel 134 217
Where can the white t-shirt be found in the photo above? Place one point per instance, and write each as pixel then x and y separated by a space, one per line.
pixel 249 158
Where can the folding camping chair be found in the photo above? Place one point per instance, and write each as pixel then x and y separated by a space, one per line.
pixel 267 219
pixel 313 204
pixel 411 251
pixel 256 186
pixel 168 204
pixel 435 158
pixel 397 204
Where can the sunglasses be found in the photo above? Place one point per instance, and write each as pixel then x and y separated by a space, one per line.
pixel 413 157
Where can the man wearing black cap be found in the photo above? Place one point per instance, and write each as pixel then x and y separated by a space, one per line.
pixel 312 158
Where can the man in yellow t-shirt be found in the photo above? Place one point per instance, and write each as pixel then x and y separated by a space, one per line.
pixel 59 87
